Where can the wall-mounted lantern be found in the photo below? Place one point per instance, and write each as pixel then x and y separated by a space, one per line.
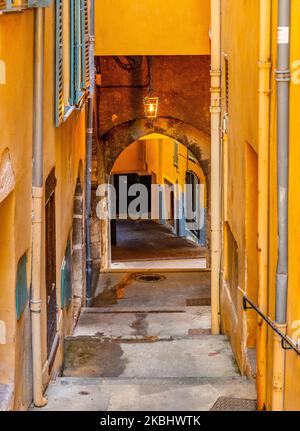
pixel 151 107
pixel 150 101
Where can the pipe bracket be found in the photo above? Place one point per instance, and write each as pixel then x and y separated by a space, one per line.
pixel 35 306
pixel 215 73
pixel 264 65
pixel 283 75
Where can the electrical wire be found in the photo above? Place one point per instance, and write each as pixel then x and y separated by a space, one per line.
pixel 149 78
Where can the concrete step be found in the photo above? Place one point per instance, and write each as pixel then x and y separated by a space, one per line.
pixel 6 397
pixel 121 394
pixel 140 322
pixel 206 356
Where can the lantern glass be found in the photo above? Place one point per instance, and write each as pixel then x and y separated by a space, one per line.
pixel 151 106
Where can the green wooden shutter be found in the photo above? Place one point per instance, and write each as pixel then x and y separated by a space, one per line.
pixel 21 287
pixel 78 50
pixel 72 53
pixel 86 38
pixel 66 278
pixel 59 86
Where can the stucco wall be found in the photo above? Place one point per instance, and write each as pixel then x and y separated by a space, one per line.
pixel 152 27
pixel 64 148
pixel 242 140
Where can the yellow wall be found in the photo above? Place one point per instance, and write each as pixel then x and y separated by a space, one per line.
pixel 64 148
pixel 241 148
pixel 292 389
pixel 241 186
pixel 152 27
pixel 154 156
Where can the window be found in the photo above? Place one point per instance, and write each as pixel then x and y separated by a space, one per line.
pixel 72 55
pixel 176 154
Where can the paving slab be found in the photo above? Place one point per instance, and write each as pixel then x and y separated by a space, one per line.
pixel 73 394
pixel 125 290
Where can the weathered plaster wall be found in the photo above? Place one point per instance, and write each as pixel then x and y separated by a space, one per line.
pixel 242 127
pixel 241 148
pixel 64 148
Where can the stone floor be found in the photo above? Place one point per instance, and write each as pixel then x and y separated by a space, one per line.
pixel 146 240
pixel 147 346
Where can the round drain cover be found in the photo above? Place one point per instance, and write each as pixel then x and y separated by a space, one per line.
pixel 149 278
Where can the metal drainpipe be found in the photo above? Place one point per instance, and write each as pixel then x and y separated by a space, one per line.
pixel 283 77
pixel 215 110
pixel 88 172
pixel 264 67
pixel 37 205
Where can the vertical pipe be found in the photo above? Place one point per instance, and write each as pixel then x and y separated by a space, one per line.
pixel 215 110
pixel 283 77
pixel 264 67
pixel 37 205
pixel 88 173
pixel 283 84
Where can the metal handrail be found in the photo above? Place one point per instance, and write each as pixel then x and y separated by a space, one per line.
pixel 286 340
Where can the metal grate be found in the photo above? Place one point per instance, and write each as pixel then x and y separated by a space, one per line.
pixel 227 404
pixel 149 278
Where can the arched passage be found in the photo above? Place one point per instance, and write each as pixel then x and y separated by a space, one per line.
pixel 120 137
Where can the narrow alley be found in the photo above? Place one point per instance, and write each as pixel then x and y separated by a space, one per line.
pixel 146 344
pixel 149 206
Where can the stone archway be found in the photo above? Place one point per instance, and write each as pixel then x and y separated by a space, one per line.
pixel 117 139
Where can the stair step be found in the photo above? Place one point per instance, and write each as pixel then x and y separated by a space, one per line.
pixel 131 324
pixel 207 356
pixel 123 394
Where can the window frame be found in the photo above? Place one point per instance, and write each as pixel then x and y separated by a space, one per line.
pixel 78 46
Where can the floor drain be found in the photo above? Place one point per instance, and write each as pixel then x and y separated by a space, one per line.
pixel 227 404
pixel 149 278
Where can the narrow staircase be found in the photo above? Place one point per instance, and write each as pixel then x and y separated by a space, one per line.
pixel 146 345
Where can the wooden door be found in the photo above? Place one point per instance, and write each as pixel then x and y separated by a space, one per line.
pixel 50 256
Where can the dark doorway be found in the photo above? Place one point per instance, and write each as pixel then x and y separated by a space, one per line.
pixel 192 196
pixel 50 256
pixel 126 181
